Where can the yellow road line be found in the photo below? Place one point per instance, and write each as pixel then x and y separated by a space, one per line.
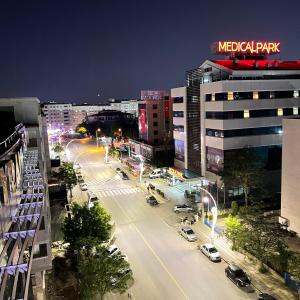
pixel 153 252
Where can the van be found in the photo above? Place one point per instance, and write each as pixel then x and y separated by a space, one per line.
pixel 155 174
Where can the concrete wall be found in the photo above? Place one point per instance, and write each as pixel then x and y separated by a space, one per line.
pixel 290 196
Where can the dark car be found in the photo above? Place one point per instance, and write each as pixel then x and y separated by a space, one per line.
pixel 237 276
pixel 124 175
pixel 265 296
pixel 152 200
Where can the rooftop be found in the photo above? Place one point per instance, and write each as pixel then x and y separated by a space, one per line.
pixel 252 64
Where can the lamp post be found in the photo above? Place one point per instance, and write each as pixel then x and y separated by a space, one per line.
pixel 214 211
pixel 97 131
pixel 120 132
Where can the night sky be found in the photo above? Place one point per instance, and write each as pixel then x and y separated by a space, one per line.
pixel 74 50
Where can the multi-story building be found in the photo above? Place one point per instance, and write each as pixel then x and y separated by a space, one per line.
pixel 126 105
pixel 155 117
pixel 290 192
pixel 24 212
pixel 179 98
pixel 91 109
pixel 235 103
pixel 58 115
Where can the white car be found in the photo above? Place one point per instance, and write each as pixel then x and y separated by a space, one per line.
pixel 83 186
pixel 182 208
pixel 112 250
pixel 188 233
pixel 211 252
pixel 92 197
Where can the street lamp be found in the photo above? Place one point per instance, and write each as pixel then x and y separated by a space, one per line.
pixel 206 200
pixel 214 211
pixel 97 131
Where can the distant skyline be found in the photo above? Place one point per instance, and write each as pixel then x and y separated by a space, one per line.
pixel 89 51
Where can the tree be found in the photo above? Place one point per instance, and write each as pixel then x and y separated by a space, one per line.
pixel 294 265
pixel 58 148
pixel 264 235
pixel 235 231
pixel 67 175
pixel 100 273
pixel 243 169
pixel 234 208
pixel 87 227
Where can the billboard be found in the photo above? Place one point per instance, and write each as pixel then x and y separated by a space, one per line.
pixel 152 95
pixel 214 160
pixel 179 150
pixel 143 127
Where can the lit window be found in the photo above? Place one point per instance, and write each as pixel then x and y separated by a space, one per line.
pixel 213 97
pixel 279 112
pixel 246 114
pixel 295 110
pixel 296 94
pixel 255 96
pixel 230 96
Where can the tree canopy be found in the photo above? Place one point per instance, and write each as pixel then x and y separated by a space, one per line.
pixel 100 273
pixel 67 175
pixel 58 148
pixel 243 168
pixel 87 227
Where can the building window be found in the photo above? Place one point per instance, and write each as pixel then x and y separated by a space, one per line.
pixel 279 112
pixel 255 96
pixel 179 128
pixel 155 115
pixel 155 123
pixel 295 110
pixel 155 141
pixel 40 251
pixel 208 97
pixel 246 114
pixel 213 98
pixel 178 114
pixel 195 99
pixel 178 100
pixel 296 94
pixel 154 106
pixel 155 132
pixel 230 96
pixel 42 225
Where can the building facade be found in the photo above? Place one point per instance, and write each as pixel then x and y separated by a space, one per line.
pixel 237 103
pixel 155 117
pixel 24 212
pixel 290 192
pixel 179 99
pixel 127 106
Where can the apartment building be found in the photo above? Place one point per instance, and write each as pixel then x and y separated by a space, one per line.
pixel 179 98
pixel 127 106
pixel 24 213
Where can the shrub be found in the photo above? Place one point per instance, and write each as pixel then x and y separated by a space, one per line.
pixel 234 208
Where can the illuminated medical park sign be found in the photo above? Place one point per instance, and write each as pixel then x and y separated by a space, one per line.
pixel 246 47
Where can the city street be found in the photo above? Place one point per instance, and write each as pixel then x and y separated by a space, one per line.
pixel 165 266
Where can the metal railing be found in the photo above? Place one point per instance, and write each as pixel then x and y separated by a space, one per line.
pixel 11 140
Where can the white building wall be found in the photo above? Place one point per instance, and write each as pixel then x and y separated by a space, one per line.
pixel 290 192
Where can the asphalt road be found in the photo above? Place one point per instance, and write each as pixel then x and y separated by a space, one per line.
pixel 165 266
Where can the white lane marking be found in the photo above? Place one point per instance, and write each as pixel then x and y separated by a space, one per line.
pixel 153 252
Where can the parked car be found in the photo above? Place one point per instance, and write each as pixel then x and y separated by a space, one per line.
pixel 83 186
pixel 211 252
pixel 183 208
pixel 92 197
pixel 118 170
pixel 237 276
pixel 112 250
pixel 152 200
pixel 124 175
pixel 188 233
pixel 121 274
pixel 80 179
pixel 78 172
pixel 155 174
pixel 265 296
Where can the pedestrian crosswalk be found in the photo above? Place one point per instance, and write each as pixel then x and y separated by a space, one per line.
pixel 117 192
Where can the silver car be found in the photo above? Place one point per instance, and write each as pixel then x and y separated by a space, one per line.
pixel 182 208
pixel 211 252
pixel 188 233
